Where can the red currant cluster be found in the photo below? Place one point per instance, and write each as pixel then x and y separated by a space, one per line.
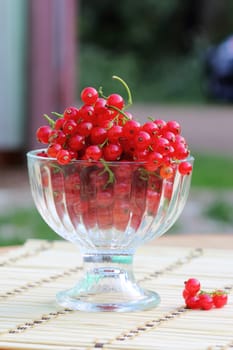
pixel 195 298
pixel 102 130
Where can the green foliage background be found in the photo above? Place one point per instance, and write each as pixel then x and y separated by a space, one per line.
pixel 157 46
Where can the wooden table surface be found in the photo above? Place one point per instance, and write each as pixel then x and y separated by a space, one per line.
pixel 221 240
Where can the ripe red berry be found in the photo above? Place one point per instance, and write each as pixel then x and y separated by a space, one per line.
pixel 70 127
pixel 93 152
pixel 162 145
pixel 174 127
pixel 130 129
pixel 185 294
pixel 170 136
pixel 193 302
pixel 112 152
pixel 115 100
pixel 89 95
pixel 76 142
pixel 151 128
pixel 71 113
pixel 86 113
pixel 43 134
pixel 142 140
pixel 53 149
pixel 185 168
pixel 84 128
pixel 42 154
pixel 59 123
pixel 63 157
pixel 166 172
pixel 100 105
pixel 192 285
pixel 219 298
pixel 98 135
pixel 181 151
pixel 141 156
pixel 161 124
pixel 115 133
pixel 57 136
pixel 206 301
pixel 154 161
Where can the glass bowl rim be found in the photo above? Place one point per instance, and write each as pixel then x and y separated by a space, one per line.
pixel 33 154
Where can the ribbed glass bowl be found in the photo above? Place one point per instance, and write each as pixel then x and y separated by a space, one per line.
pixel 108 211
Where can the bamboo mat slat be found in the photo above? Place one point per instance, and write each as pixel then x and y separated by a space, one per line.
pixel 30 318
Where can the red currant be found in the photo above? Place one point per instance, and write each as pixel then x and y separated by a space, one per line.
pixel 141 156
pixel 154 161
pixel 100 105
pixel 161 124
pixel 42 154
pixel 57 136
pixel 59 123
pixel 192 285
pixel 84 128
pixel 170 136
pixel 174 127
pixel 219 298
pixel 151 128
pixel 43 134
pixel 186 294
pixel 115 133
pixel 181 151
pixel 98 135
pixel 63 157
pixel 166 172
pixel 131 128
pixel 206 301
pixel 193 302
pixel 142 140
pixel 93 152
pixel 185 168
pixel 115 100
pixel 71 113
pixel 162 145
pixel 89 95
pixel 76 142
pixel 69 127
pixel 112 152
pixel 53 149
pixel 87 113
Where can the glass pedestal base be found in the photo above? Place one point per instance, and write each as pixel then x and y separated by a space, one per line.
pixel 111 287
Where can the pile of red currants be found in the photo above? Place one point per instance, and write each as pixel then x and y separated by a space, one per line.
pixel 102 130
pixel 195 298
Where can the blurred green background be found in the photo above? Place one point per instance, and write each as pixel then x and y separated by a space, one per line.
pixel 158 46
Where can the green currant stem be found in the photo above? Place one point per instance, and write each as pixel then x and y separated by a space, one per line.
pixel 104 143
pixel 150 148
pixel 111 177
pixel 59 115
pixel 130 101
pixel 146 173
pixel 56 168
pixel 50 120
pixel 102 93
pixel 150 118
pixel 119 111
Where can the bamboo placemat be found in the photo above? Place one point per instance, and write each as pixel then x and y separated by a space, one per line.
pixel 31 319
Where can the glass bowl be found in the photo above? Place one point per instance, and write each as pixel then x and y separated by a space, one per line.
pixel 108 211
